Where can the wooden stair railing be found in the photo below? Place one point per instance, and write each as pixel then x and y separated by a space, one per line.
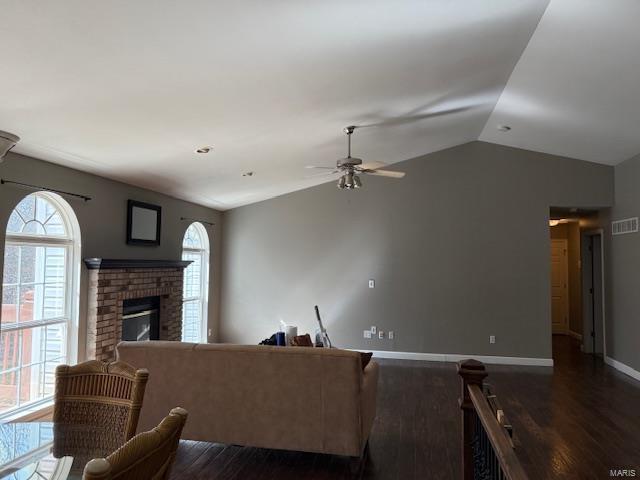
pixel 487 445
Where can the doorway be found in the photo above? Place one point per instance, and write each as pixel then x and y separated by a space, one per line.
pixel 559 286
pixel 566 278
pixel 593 293
pixel 576 281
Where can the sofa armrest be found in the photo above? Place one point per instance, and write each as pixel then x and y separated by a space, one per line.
pixel 368 399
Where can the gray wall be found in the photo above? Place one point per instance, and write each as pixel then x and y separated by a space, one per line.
pixel 459 250
pixel 622 263
pixel 103 220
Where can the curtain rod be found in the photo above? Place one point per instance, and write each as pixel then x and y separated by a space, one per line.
pixel 36 187
pixel 197 220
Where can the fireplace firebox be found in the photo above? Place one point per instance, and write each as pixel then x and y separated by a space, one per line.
pixel 141 319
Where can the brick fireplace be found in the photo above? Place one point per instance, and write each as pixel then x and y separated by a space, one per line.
pixel 111 282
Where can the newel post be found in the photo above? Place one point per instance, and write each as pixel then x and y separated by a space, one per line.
pixel 472 372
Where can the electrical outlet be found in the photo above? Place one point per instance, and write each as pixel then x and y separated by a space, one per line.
pixel 380 334
pixel 390 334
pixel 492 339
pixel 367 334
pixel 209 332
pixel 374 330
pixel 372 283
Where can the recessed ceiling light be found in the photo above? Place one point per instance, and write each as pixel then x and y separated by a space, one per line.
pixel 247 174
pixel 504 128
pixel 203 150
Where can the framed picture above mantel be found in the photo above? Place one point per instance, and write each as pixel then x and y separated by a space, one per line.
pixel 143 223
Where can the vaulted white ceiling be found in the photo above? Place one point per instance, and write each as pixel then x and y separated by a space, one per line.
pixel 129 90
pixel 576 89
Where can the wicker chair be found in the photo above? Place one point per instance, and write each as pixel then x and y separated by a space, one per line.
pixel 105 395
pixel 148 455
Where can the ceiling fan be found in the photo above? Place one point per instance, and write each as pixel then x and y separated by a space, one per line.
pixel 351 168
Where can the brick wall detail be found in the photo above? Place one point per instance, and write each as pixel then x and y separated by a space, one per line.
pixel 107 290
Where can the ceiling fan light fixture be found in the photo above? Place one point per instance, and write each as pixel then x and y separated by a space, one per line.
pixel 350 168
pixel 348 180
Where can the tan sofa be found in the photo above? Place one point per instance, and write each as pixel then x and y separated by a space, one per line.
pixel 290 398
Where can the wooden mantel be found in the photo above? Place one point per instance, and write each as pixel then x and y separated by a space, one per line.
pixel 110 263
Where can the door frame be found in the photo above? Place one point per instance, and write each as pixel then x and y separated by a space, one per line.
pixel 566 329
pixel 598 232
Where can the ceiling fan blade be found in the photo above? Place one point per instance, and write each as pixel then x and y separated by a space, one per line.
pixel 321 168
pixel 323 174
pixel 371 165
pixel 385 173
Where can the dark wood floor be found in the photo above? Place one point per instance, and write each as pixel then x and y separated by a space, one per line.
pixel 574 421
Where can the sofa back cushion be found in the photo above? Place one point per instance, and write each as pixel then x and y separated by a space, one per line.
pixel 292 398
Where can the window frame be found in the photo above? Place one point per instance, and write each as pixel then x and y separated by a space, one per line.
pixel 203 298
pixel 71 243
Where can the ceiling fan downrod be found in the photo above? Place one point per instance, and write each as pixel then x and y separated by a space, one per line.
pixel 349 180
pixel 349 130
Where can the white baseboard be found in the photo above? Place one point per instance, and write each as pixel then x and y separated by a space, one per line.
pixel 626 369
pixel 575 335
pixel 451 357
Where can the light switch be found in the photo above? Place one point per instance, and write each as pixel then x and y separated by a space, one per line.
pixel 372 284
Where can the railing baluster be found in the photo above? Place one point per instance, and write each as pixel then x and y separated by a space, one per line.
pixel 487 447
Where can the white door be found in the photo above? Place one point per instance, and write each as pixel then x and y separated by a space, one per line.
pixel 559 287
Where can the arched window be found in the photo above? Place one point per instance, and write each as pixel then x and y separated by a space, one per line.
pixel 195 248
pixel 39 299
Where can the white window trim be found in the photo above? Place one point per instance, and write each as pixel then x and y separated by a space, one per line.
pixel 204 279
pixel 41 410
pixel 72 293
